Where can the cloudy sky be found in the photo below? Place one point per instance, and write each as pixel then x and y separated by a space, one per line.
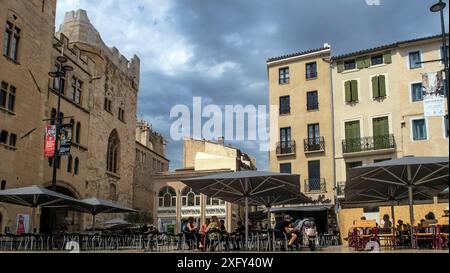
pixel 217 49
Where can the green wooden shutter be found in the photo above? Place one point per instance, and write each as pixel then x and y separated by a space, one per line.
pixel 382 85
pixel 367 61
pixel 340 66
pixel 387 56
pixel 375 87
pixel 348 94
pixel 381 133
pixel 354 91
pixel 352 136
pixel 361 63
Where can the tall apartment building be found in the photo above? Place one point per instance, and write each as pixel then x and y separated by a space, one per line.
pixel 175 203
pixel 300 85
pixel 379 112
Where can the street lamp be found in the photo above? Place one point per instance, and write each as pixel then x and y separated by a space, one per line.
pixel 59 73
pixel 439 7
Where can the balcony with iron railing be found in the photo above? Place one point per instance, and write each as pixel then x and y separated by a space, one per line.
pixel 315 185
pixel 286 148
pixel 385 143
pixel 340 189
pixel 314 145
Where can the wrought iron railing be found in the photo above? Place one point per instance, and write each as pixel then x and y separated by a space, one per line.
pixel 368 144
pixel 286 147
pixel 315 185
pixel 314 144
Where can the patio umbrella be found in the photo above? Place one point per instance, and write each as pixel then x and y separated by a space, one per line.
pixel 249 187
pixel 96 206
pixel 35 197
pixel 399 179
pixel 391 195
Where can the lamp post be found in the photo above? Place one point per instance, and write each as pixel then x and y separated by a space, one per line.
pixel 57 120
pixel 439 7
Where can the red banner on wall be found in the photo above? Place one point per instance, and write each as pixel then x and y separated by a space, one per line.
pixel 50 140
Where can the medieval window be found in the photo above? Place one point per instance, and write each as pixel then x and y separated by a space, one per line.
pixel 7 96
pixel 12 140
pixel 113 153
pixel 4 137
pixel 11 41
pixel 76 166
pixel 69 164
pixel 3 185
pixel 122 112
pixel 107 106
pixel 78 133
pixel 189 198
pixel 76 90
pixel 167 197
pixel 112 192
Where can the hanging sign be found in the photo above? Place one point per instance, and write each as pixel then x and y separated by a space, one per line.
pixel 50 140
pixel 433 101
pixel 65 133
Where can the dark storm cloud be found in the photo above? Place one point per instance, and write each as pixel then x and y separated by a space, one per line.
pixel 223 45
pixel 248 32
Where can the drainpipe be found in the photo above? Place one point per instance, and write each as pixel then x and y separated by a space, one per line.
pixel 333 132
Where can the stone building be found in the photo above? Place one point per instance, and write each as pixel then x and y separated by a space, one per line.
pixel 175 203
pixel 26 36
pixel 99 98
pixel 112 122
pixel 150 161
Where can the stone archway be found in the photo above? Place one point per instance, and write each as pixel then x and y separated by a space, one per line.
pixel 56 220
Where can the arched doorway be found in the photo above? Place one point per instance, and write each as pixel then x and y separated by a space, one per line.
pixel 63 218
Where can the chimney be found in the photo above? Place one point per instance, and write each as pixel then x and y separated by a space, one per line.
pixel 221 141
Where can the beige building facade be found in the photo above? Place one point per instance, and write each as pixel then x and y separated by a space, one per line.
pixel 300 84
pixel 379 114
pixel 175 202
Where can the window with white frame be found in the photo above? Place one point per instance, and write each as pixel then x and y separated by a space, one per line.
pixel 419 129
pixel 167 198
pixel 189 198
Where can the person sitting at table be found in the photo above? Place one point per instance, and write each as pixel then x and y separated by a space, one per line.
pixel 238 235
pixel 387 222
pixel 225 235
pixel 286 227
pixel 204 238
pixel 430 218
pixel 212 230
pixel 191 233
pixel 403 232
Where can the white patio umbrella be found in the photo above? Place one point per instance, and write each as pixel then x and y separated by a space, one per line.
pixel 249 187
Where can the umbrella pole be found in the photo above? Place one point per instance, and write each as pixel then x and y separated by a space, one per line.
pixel 33 218
pixel 246 222
pixel 393 214
pixel 93 222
